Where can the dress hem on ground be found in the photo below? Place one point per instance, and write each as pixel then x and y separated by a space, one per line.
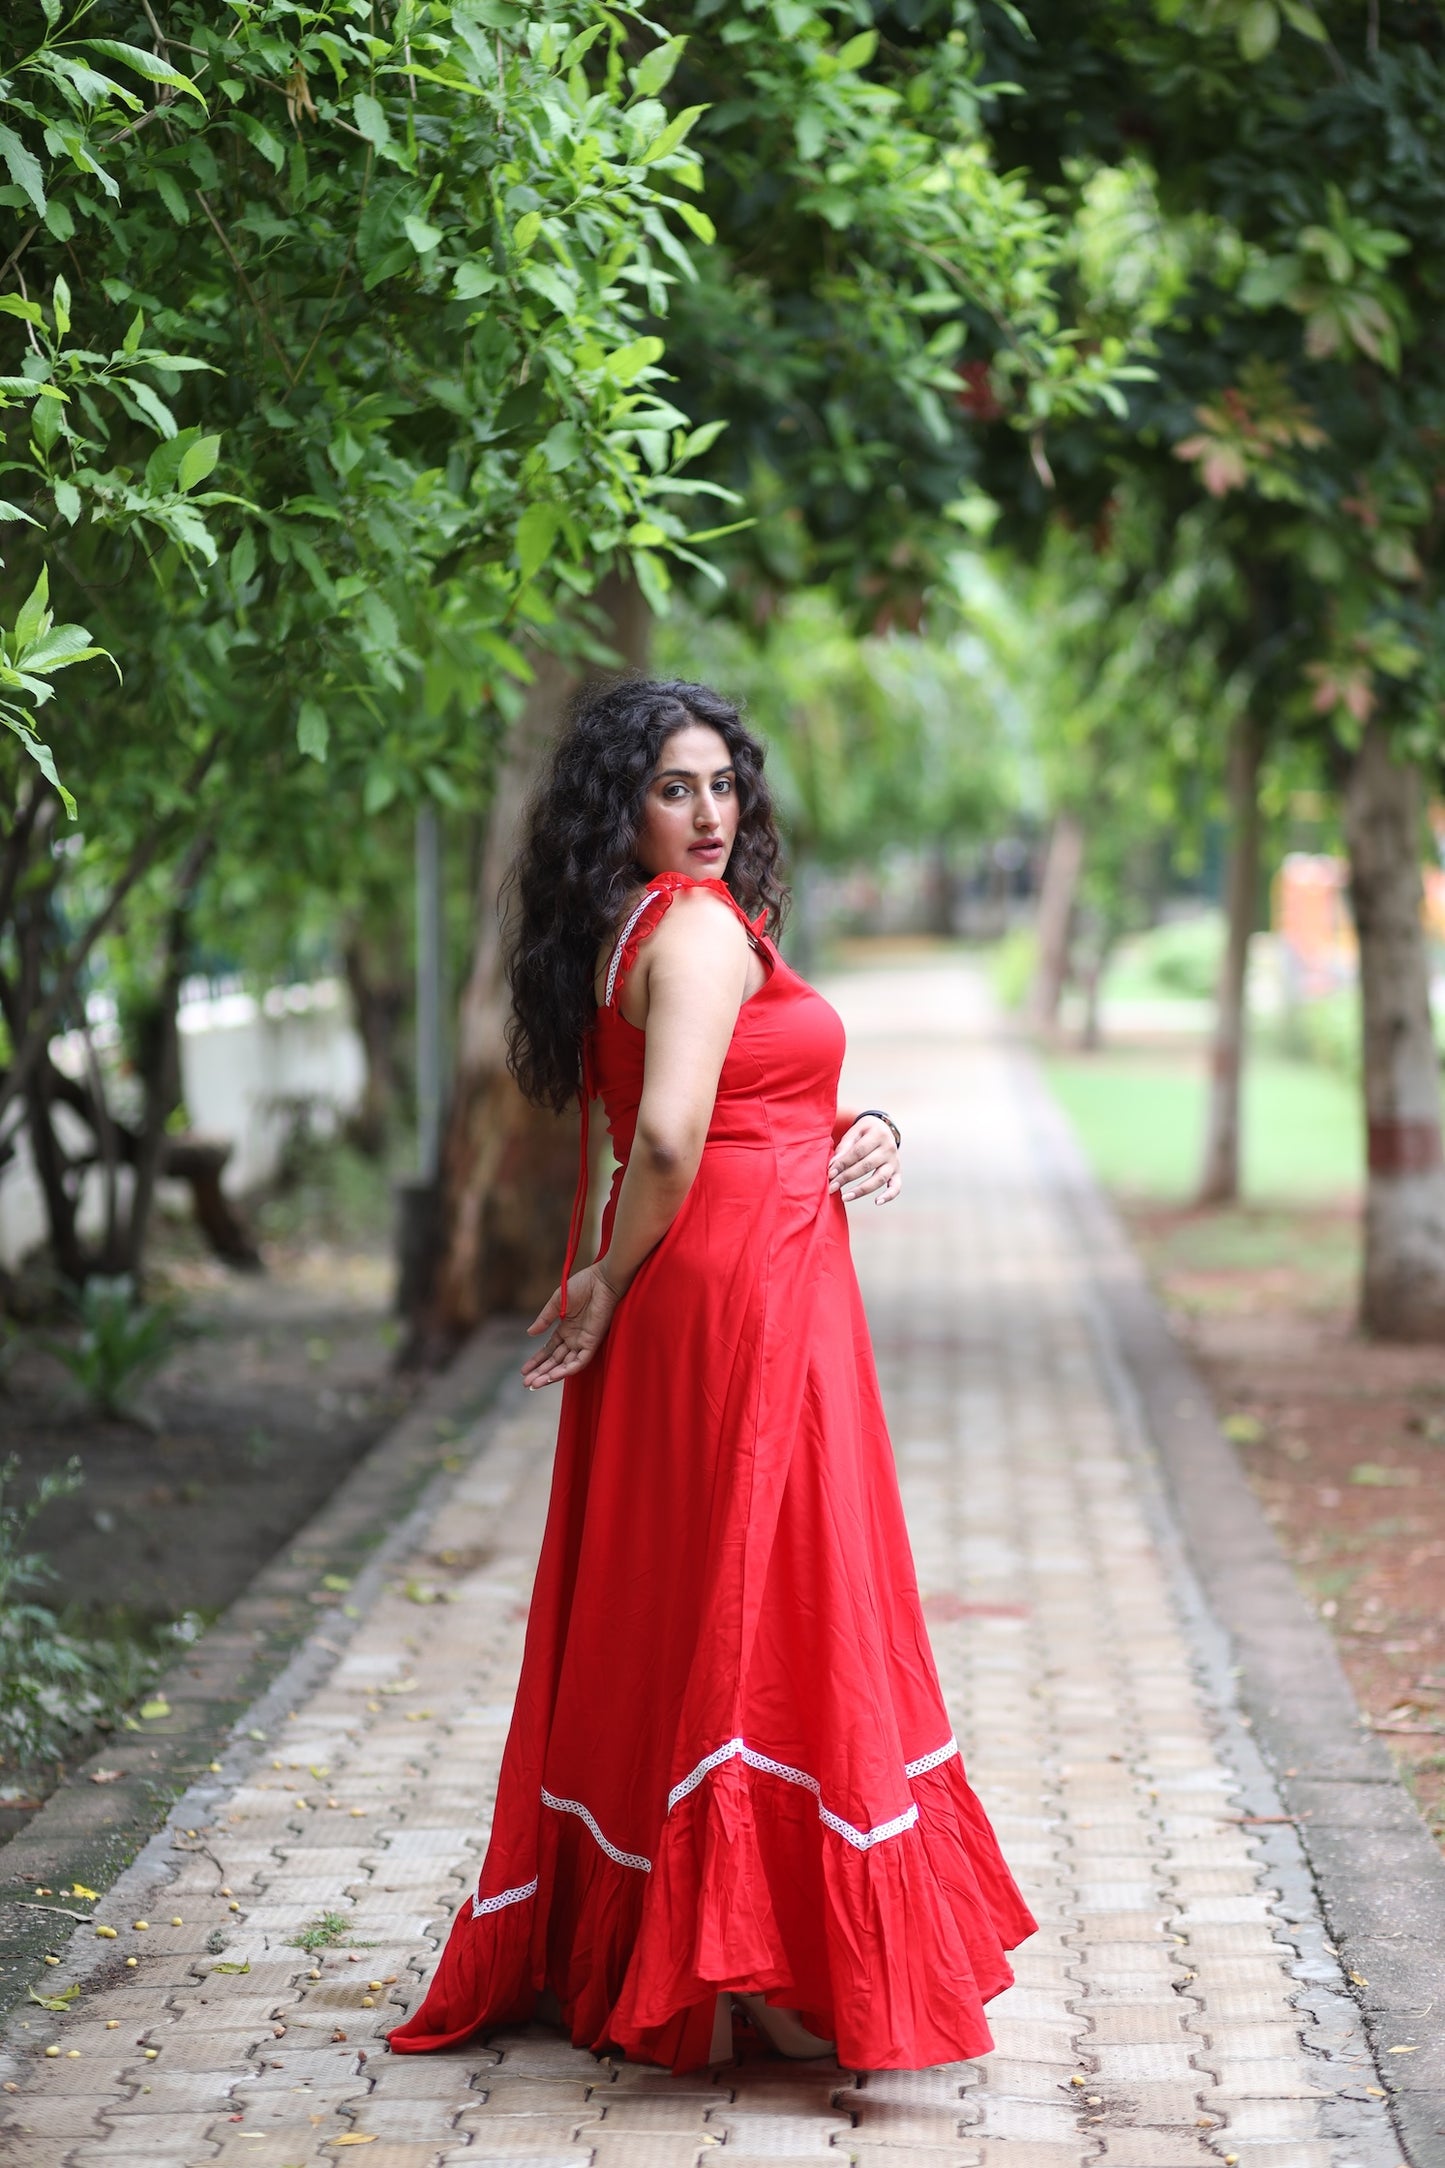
pixel 890 1948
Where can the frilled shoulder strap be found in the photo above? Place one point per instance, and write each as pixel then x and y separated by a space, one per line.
pixel 647 915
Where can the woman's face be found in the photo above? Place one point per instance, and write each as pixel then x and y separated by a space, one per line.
pixel 690 808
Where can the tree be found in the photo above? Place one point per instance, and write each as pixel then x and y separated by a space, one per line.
pixel 1299 384
pixel 1117 644
pixel 333 388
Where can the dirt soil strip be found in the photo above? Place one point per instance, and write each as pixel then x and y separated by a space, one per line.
pixel 1380 1878
pixel 96 1822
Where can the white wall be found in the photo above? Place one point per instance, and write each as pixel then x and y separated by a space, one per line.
pixel 244 1065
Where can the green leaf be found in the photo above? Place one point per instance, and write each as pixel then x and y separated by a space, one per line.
pixel 545 279
pixel 422 237
pixel 168 188
pixel 199 461
pixel 33 612
pixel 1304 20
pixel 698 221
pixel 371 120
pixel 1258 29
pixel 150 1711
pixel 701 440
pixel 46 422
pixel 561 446
pixel 13 511
pixel 62 2001
pixel 147 64
pixel 58 648
pixel 44 760
pixel 536 532
pixel 243 560
pixel 655 70
pixel 29 312
pixel 526 230
pixel 60 304
pixel 473 279
pixel 153 406
pixel 24 168
pixel 858 51
pixel 652 578
pixel 672 134
pixel 233 1968
pixel 379 790
pixel 67 501
pixel 131 342
pixel 92 87
pixel 313 732
pixel 626 363
pixel 580 46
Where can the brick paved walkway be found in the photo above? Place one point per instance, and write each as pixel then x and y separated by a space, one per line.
pixel 1179 2004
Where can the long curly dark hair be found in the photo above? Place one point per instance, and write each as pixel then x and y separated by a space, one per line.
pixel 576 867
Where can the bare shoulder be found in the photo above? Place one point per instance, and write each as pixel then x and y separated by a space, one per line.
pixel 698 926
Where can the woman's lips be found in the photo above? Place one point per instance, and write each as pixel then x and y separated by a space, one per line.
pixel 706 850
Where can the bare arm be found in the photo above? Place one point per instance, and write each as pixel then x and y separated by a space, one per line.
pixel 696 975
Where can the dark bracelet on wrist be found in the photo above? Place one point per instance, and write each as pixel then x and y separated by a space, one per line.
pixel 887 1121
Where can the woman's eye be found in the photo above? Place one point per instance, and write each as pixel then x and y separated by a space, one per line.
pixel 723 786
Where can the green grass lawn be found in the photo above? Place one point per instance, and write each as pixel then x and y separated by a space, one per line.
pixel 1140 1118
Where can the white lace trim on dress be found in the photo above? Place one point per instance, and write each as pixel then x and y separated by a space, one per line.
pixel 861 1839
pixel 575 1806
pixel 622 939
pixel 616 964
pixel 503 1898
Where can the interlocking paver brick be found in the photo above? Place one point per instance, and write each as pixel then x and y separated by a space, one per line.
pixel 880 2153
pixel 58 2115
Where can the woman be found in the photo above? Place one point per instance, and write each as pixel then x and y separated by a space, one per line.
pixel 730 1776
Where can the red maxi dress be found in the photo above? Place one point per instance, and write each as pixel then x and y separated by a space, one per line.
pixel 729 1763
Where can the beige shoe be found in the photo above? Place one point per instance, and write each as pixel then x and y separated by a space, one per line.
pixel 784 2030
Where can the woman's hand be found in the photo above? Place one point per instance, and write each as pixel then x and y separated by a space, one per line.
pixel 575 1338
pixel 865 1162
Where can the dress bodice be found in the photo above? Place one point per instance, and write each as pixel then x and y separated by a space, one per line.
pixel 779 1082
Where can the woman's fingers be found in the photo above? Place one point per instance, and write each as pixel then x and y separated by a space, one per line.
pixel 559 1359
pixel 549 1314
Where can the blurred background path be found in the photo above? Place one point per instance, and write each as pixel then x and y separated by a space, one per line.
pixel 1180 2003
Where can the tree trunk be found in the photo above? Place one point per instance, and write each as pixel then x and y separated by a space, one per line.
pixel 1063 869
pixel 159 1060
pixel 1219 1175
pixel 507 1168
pixel 378 1006
pixel 1403 1287
pixel 1091 1031
pixel 938 890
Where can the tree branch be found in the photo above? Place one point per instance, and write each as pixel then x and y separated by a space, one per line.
pixel 19 250
pixel 42 1022
pixel 16 841
pixel 247 288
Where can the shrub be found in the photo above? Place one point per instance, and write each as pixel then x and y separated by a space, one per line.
pixel 1182 957
pixel 56 1685
pixel 122 1340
